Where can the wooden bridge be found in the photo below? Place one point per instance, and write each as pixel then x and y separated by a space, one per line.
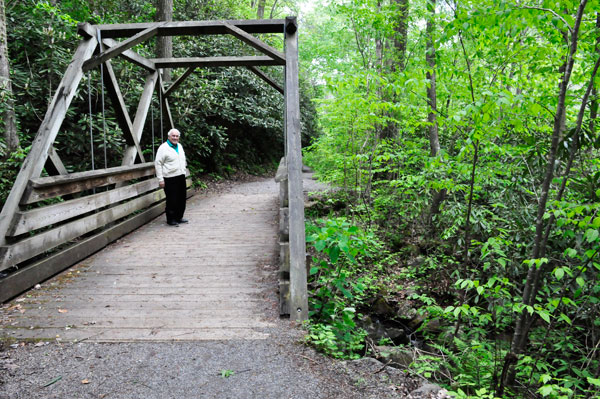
pixel 53 219
pixel 200 281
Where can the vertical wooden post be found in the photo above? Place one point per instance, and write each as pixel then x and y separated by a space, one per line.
pixel 298 294
pixel 41 146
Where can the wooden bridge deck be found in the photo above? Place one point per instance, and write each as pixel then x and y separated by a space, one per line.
pixel 198 281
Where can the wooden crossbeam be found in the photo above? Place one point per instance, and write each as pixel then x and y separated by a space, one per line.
pixel 266 78
pixel 56 162
pixel 131 56
pixel 140 116
pixel 214 62
pixel 192 28
pixel 120 48
pixel 121 110
pixel 179 81
pixel 254 42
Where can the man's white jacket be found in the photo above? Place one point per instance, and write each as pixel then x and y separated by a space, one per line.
pixel 168 162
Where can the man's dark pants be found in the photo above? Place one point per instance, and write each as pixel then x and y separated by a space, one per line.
pixel 175 192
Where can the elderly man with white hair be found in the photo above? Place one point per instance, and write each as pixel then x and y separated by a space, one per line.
pixel 170 167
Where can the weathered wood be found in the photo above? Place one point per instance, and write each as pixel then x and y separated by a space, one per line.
pixel 281 171
pixel 266 78
pixel 34 163
pixel 140 117
pixel 284 297
pixel 27 277
pixel 54 186
pixel 122 115
pixel 254 42
pixel 165 103
pixel 120 48
pixel 45 216
pixel 284 193
pixel 132 56
pixel 213 62
pixel 20 251
pixel 86 30
pixel 298 290
pixel 284 224
pixel 193 28
pixel 54 162
pixel 284 260
pixel 179 81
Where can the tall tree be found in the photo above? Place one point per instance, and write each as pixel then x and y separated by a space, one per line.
pixel 260 12
pixel 434 141
pixel 6 93
pixel 164 44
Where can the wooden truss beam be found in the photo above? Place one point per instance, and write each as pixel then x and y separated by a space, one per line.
pixel 120 48
pixel 140 117
pixel 266 78
pixel 214 62
pixel 192 28
pixel 132 56
pixel 132 140
pixel 36 159
pixel 254 42
pixel 179 81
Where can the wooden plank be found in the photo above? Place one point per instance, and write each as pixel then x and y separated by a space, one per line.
pixel 121 112
pixel 86 30
pixel 45 216
pixel 54 186
pixel 193 27
pixel 28 276
pixel 213 61
pixel 179 81
pixel 18 252
pixel 298 289
pixel 266 78
pixel 120 48
pixel 36 158
pixel 132 56
pixel 140 117
pixel 254 42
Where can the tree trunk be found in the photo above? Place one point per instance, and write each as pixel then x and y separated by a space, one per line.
pixel 594 102
pixel 401 37
pixel 434 141
pixel 164 44
pixel 532 282
pixel 260 12
pixel 6 94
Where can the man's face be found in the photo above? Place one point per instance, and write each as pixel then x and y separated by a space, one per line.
pixel 174 138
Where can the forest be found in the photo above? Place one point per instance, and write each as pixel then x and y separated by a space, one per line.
pixel 459 136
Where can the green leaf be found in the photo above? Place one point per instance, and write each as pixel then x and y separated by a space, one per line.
pixel 334 254
pixel 546 390
pixel 591 235
pixel 559 273
pixel 594 381
pixel 314 270
pixel 566 318
pixel 544 315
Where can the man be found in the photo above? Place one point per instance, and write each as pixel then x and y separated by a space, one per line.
pixel 170 169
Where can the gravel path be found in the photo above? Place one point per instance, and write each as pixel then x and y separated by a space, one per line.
pixel 278 365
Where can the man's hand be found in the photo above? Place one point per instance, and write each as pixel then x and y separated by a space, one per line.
pixel 161 184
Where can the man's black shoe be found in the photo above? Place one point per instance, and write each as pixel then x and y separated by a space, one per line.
pixel 182 220
pixel 172 223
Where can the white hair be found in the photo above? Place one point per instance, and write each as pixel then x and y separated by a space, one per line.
pixel 173 131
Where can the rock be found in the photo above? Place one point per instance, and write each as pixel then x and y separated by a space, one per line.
pixel 429 391
pixel 400 358
pixel 382 308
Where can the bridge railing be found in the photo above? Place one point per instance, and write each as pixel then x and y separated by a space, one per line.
pixel 62 219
